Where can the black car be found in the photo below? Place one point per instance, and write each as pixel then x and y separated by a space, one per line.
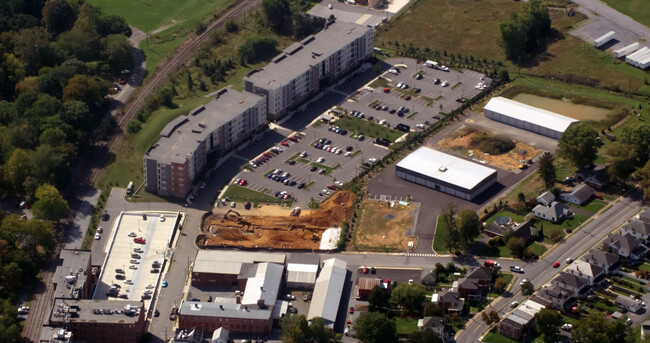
pixel 361 138
pixel 417 90
pixel 349 148
pixel 105 215
pixel 436 81
pixel 156 313
pixel 301 186
pixel 328 142
pixel 313 169
pixel 343 132
pixel 277 194
pixel 371 118
pixel 292 183
pixel 392 111
pixel 292 162
pixel 400 114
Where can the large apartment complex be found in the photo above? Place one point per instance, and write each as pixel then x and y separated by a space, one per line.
pixel 305 67
pixel 181 153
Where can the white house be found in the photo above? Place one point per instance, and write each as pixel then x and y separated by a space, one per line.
pixel 546 198
pixel 637 228
pixel 578 195
pixel 593 273
pixel 554 213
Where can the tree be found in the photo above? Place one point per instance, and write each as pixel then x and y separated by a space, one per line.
pixel 644 180
pixel 511 37
pixel 637 138
pixel 319 332
pixel 256 49
pixel 277 14
pixel 595 328
pixel 580 144
pixel 547 169
pixel 58 16
pixel 499 285
pixel 295 329
pixel 86 89
pixel 622 160
pixel 432 310
pixel 527 288
pixel 516 246
pixel 468 224
pixel 375 327
pixel 16 169
pixel 116 51
pixel 50 204
pixel 548 322
pixel 524 32
pixel 410 297
pixel 425 336
pixel 378 299
pixel 491 317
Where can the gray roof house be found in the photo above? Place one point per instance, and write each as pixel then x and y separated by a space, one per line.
pixel 593 273
pixel 554 213
pixel 637 228
pixel 578 195
pixel 525 230
pixel 645 215
pixel 436 324
pixel 602 259
pixel 628 304
pixel 625 246
pixel 546 198
pixel 450 302
pixel 574 284
pixel 555 297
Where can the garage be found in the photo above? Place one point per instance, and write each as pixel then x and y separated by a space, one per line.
pixel 526 117
pixel 446 173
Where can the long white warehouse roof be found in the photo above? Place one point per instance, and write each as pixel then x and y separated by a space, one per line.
pixel 445 167
pixel 328 290
pixel 530 114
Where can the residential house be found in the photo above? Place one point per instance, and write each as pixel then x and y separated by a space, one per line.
pixel 450 302
pixel 546 198
pixel 555 297
pixel 603 259
pixel 430 279
pixel 482 275
pixel 628 304
pixel 556 212
pixel 524 230
pixel 576 285
pixel 469 289
pixel 593 273
pixel 517 324
pixel 436 324
pixel 637 228
pixel 625 246
pixel 645 215
pixel 578 195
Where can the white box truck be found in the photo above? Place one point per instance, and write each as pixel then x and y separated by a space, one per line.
pixel 431 64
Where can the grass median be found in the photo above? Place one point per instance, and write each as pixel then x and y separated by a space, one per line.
pixel 368 128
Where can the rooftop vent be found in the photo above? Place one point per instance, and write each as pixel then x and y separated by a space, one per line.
pixel 443 169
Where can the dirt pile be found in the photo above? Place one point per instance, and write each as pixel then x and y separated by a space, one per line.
pixel 279 232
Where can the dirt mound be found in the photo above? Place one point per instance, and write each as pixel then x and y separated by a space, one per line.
pixel 333 210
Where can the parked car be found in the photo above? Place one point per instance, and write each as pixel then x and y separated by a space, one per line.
pixel 98 236
pixel 556 264
pixel 516 269
pixel 139 240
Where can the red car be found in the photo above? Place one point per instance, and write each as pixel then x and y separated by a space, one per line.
pixel 285 143
pixel 365 270
pixel 243 182
pixel 139 240
pixel 332 187
pixel 408 97
pixel 556 264
pixel 351 309
pixel 268 155
pixel 293 139
pixel 286 196
pixel 598 196
pixel 386 90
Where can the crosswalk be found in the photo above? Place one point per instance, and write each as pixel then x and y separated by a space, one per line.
pixel 420 255
pixel 386 197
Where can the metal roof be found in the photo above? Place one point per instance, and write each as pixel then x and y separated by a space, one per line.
pixel 211 261
pixel 446 168
pixel 302 273
pixel 328 290
pixel 530 114
pixel 265 285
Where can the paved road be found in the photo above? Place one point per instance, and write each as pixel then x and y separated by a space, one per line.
pixel 541 272
pixel 605 19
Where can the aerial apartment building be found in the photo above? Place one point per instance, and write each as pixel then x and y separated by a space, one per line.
pixel 209 131
pixel 306 67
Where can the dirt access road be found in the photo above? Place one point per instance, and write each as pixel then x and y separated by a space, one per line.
pixel 94 160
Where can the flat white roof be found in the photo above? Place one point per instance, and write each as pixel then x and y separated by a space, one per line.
pixel 527 113
pixel 265 285
pixel 227 261
pixel 299 267
pixel 457 171
pixel 328 290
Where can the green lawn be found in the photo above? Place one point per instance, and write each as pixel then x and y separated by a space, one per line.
pixel 367 128
pixel 645 266
pixel 441 234
pixel 148 15
pixel 495 337
pixel 406 326
pixel 508 277
pixel 515 217
pixel 242 194
pixel 537 248
pixel 594 205
pixel 637 9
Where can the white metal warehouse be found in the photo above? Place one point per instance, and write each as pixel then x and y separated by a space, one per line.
pixel 446 173
pixel 526 117
pixel 301 271
pixel 328 291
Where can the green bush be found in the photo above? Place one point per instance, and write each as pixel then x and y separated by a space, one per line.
pixel 256 49
pixel 493 145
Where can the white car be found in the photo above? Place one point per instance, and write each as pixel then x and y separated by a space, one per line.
pixel 326 192
pixel 382 122
pixel 420 126
pixel 233 204
pixel 98 236
pixel 135 261
pixel 137 250
pixel 162 218
pixel 338 151
pixel 372 160
pixel 132 234
pixel 399 85
pixel 338 183
pixel 347 154
pixel 320 160
pixel 443 68
pixel 329 6
pixel 523 282
pixel 393 71
pixel 100 229
pixel 303 154
pixel 444 83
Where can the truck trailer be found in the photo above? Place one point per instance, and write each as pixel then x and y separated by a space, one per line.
pixel 622 52
pixel 600 41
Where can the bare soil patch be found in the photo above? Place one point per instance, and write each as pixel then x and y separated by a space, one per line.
pixel 383 226
pixel 273 227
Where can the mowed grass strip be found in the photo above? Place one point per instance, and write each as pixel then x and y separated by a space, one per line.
pixel 368 128
pixel 243 194
pixel 442 232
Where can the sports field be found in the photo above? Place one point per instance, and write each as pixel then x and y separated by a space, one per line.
pixel 148 15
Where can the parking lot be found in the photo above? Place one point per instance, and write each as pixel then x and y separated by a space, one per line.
pixel 135 255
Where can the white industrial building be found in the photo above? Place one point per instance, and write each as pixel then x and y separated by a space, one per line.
pixel 446 173
pixel 526 117
pixel 302 271
pixel 328 291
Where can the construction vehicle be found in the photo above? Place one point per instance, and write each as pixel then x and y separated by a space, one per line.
pixel 295 212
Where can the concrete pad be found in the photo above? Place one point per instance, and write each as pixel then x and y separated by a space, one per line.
pixel 396 5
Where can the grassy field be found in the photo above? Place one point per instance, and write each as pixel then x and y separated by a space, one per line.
pixel 406 326
pixel 637 9
pixel 368 128
pixel 243 194
pixel 439 240
pixel 594 205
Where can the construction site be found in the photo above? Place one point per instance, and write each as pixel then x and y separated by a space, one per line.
pixel 287 229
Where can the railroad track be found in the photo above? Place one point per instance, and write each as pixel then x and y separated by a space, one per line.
pixel 88 170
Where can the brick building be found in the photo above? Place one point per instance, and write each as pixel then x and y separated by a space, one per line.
pixel 236 318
